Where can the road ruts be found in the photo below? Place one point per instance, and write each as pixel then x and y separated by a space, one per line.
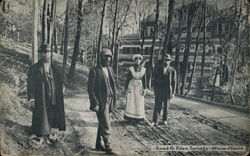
pixel 146 135
pixel 175 133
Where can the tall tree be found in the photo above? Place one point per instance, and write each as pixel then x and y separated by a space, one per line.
pixel 204 45
pixel 48 18
pixel 51 20
pixel 55 40
pixel 113 44
pixel 168 28
pixel 44 22
pixel 155 34
pixel 100 33
pixel 77 40
pixel 62 41
pixel 151 66
pixel 54 33
pixel 66 33
pixel 195 57
pixel 124 18
pixel 236 52
pixel 114 26
pixel 35 14
pixel 177 51
pixel 192 10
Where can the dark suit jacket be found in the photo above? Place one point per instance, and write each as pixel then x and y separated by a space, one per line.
pixel 165 84
pixel 97 88
pixel 36 90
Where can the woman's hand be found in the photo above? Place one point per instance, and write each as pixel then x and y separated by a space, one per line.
pixel 96 109
pixel 144 92
pixel 32 103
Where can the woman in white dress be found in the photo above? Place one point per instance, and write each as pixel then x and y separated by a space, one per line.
pixel 135 91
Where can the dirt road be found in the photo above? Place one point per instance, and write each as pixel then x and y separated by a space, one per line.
pixel 190 123
pixel 186 127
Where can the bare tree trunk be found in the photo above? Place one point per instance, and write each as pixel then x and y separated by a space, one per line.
pixel 169 25
pixel 236 55
pixel 155 35
pixel 35 14
pixel 77 40
pixel 177 53
pixel 52 23
pixel 51 12
pixel 62 41
pixel 191 13
pixel 55 40
pixel 65 54
pixel 150 68
pixel 113 44
pixel 116 37
pixel 195 57
pixel 44 23
pixel 100 34
pixel 114 26
pixel 204 47
pixel 214 81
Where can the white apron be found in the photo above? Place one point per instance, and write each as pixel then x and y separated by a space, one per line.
pixel 135 99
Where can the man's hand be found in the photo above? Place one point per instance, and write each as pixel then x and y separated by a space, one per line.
pixel 173 95
pixel 32 103
pixel 64 89
pixel 96 109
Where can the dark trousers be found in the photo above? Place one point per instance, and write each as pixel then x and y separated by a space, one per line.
pixel 159 100
pixel 103 125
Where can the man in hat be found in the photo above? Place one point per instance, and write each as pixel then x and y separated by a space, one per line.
pixel 45 94
pixel 102 95
pixel 164 88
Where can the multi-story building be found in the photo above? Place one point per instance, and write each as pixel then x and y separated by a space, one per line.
pixel 214 27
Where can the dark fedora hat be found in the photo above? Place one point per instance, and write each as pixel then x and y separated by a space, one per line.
pixel 168 57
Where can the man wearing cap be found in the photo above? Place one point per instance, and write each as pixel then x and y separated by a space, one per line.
pixel 102 95
pixel 45 94
pixel 164 88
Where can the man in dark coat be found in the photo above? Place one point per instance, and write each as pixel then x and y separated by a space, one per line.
pixel 45 93
pixel 102 95
pixel 164 88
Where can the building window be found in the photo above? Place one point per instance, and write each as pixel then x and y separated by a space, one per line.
pixel 184 30
pixel 193 29
pixel 223 28
pixel 208 29
pixel 149 31
pixel 219 50
pixel 227 27
pixel 220 28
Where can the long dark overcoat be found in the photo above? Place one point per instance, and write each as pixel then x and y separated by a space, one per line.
pixel 43 111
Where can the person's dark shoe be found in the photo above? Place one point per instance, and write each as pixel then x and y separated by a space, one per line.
pixel 154 124
pixel 100 148
pixel 108 150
